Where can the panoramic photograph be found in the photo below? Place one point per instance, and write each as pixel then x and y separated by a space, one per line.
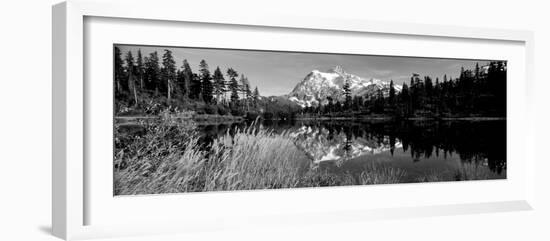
pixel 203 119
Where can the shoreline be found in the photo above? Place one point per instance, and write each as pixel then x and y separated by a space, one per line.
pixel 219 119
pixel 388 118
pixel 201 119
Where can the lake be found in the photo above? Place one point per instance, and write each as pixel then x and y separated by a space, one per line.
pixel 421 148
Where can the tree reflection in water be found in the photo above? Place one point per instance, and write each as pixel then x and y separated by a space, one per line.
pixel 480 142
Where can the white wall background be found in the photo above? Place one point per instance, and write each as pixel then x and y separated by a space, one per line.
pixel 25 120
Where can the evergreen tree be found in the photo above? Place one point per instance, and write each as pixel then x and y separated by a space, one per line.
pixel 472 94
pixel 180 83
pixel 119 72
pixel 428 85
pixel 245 89
pixel 207 87
pixel 140 69
pixel 412 93
pixel 255 97
pixel 436 98
pixel 168 72
pixel 197 85
pixel 392 94
pixel 248 94
pixel 379 102
pixel 184 79
pixel 131 76
pixel 193 84
pixel 242 83
pixel 256 93
pixel 152 72
pixel 428 89
pixel 207 91
pixel 233 86
pixel 476 72
pixel 129 59
pixel 405 99
pixel 347 94
pixel 219 84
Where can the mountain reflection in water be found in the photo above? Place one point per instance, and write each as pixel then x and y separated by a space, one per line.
pixel 415 146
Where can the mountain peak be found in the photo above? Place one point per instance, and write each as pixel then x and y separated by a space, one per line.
pixel 337 69
pixel 314 89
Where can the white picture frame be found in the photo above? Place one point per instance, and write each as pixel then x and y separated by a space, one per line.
pixel 72 190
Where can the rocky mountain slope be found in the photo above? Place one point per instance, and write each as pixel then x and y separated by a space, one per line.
pixel 317 86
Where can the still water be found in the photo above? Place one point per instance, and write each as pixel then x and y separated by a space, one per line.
pixel 418 147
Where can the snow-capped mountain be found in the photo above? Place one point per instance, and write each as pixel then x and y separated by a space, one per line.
pixel 318 85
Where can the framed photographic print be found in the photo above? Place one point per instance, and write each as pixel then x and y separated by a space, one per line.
pixel 211 129
pixel 205 122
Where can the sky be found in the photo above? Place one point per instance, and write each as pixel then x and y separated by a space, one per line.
pixel 277 73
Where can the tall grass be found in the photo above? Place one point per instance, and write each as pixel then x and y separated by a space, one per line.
pixel 249 159
pixel 169 159
pixel 466 171
pixel 370 173
pixel 474 171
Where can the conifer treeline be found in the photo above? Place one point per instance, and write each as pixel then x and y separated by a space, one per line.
pixel 150 84
pixel 478 92
pixel 140 82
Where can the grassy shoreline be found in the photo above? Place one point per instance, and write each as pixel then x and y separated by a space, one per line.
pixel 201 118
pixel 250 159
pixel 169 159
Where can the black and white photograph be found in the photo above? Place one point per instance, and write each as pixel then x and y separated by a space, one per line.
pixel 190 119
